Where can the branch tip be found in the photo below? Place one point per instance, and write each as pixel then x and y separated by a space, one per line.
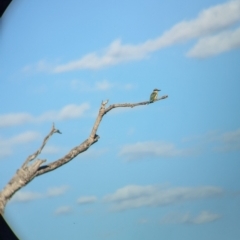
pixel 57 131
pixel 105 102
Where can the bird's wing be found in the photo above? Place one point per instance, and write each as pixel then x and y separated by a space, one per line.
pixel 152 96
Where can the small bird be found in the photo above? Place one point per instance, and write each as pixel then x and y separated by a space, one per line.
pixel 154 95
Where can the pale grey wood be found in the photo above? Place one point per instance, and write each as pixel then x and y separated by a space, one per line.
pixel 28 172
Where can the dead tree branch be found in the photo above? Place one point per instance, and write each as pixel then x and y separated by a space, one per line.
pixel 34 155
pixel 28 171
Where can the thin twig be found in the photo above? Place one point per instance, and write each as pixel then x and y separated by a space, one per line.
pixel 34 155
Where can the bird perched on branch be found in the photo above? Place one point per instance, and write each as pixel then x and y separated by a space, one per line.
pixel 154 95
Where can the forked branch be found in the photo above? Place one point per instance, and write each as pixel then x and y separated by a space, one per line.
pixel 28 172
pixel 34 155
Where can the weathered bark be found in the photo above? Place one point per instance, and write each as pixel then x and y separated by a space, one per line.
pixel 28 172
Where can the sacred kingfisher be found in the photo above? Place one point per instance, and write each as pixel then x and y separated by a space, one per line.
pixel 154 95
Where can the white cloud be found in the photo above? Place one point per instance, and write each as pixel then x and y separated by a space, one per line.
pixel 216 141
pixel 80 85
pixel 114 54
pixel 70 111
pixel 216 44
pixel 25 196
pixel 57 191
pixel 229 141
pixel 4 152
pixel 86 199
pixel 7 144
pixel 13 119
pixel 201 218
pixel 23 138
pixel 231 136
pixel 209 21
pixel 103 85
pixel 63 210
pixel 134 196
pixel 205 217
pixel 150 149
pixel 40 66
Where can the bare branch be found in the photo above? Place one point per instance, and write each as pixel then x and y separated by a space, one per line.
pixel 67 158
pixel 98 120
pixel 93 138
pixel 34 155
pixel 28 172
pixel 132 104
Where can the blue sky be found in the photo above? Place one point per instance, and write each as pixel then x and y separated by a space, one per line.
pixel 169 170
